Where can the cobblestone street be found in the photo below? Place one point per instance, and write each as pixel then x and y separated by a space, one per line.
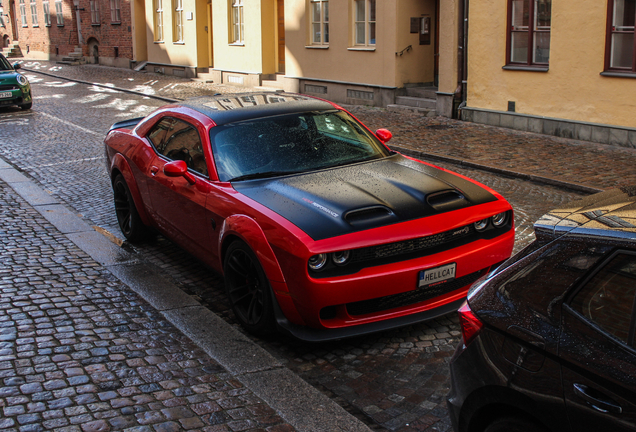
pixel 80 351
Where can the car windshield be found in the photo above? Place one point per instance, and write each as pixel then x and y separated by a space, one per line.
pixel 4 64
pixel 289 144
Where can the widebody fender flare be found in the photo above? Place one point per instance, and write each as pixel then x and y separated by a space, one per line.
pixel 120 164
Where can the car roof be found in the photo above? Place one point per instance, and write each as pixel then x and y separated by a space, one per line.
pixel 611 213
pixel 228 108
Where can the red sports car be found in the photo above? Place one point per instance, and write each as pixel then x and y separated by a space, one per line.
pixel 319 229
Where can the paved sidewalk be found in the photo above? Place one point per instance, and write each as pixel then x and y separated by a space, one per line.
pixel 580 165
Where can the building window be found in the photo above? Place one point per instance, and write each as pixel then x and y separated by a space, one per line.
pixel 620 55
pixel 34 13
pixel 94 12
pixel 115 11
pixel 529 24
pixel 23 13
pixel 178 20
pixel 364 14
pixel 158 20
pixel 47 13
pixel 236 21
pixel 59 15
pixel 319 22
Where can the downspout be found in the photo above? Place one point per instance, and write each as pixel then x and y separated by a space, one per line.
pixel 80 39
pixel 462 57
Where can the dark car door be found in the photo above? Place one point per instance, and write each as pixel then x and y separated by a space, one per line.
pixel 597 349
pixel 178 205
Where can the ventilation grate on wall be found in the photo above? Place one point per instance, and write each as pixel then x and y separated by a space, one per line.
pixel 358 94
pixel 309 88
pixel 235 79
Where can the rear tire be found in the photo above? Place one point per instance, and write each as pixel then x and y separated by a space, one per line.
pixel 128 218
pixel 248 289
pixel 514 424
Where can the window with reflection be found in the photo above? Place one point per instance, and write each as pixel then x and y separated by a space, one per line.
pixel 364 22
pixel 178 20
pixel 620 52
pixel 59 13
pixel 158 20
pixel 179 140
pixel 608 298
pixel 529 24
pixel 47 13
pixel 237 26
pixel 319 22
pixel 94 12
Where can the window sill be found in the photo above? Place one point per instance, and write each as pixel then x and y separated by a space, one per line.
pixel 526 68
pixel 361 49
pixel 115 23
pixel 237 44
pixel 60 25
pixel 96 25
pixel 317 46
pixel 178 43
pixel 617 74
pixel 159 42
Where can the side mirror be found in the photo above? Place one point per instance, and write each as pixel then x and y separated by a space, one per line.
pixel 179 168
pixel 16 66
pixel 384 135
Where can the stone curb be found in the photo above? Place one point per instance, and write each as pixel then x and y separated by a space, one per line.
pixel 296 401
pixel 409 152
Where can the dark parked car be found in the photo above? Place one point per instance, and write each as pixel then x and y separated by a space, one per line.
pixel 548 338
pixel 318 227
pixel 14 87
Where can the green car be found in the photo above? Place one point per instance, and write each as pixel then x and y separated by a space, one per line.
pixel 14 87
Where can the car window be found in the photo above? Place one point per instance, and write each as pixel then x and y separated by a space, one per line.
pixel 608 298
pixel 291 143
pixel 179 140
pixel 4 64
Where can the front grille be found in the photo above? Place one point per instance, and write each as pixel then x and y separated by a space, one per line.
pixel 6 87
pixel 411 297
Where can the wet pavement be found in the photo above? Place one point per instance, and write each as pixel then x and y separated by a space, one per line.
pixel 392 381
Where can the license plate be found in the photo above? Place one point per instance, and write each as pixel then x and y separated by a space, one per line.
pixel 5 94
pixel 437 274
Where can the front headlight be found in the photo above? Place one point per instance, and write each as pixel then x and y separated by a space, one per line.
pixel 22 80
pixel 499 219
pixel 341 258
pixel 481 225
pixel 317 262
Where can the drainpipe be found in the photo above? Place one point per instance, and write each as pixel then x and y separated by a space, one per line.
pixel 462 57
pixel 80 39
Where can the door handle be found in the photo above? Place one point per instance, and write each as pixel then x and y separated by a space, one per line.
pixel 154 170
pixel 597 400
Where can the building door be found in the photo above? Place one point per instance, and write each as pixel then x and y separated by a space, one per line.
pixel 281 35
pixel 14 22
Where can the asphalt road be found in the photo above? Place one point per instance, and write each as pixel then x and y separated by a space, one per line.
pixel 394 380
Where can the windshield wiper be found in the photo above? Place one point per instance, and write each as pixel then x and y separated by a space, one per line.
pixel 266 174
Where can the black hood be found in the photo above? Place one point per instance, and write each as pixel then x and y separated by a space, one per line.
pixel 341 200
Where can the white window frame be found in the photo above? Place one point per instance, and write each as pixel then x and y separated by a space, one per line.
pixel 115 11
pixel 95 20
pixel 237 23
pixel 59 13
pixel 23 13
pixel 34 13
pixel 158 20
pixel 178 21
pixel 319 22
pixel 47 13
pixel 364 26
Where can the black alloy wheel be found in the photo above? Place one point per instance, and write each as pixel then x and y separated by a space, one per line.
pixel 128 218
pixel 248 289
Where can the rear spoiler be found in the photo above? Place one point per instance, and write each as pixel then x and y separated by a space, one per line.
pixel 126 124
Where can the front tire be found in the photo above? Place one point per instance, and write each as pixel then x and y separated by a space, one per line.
pixel 128 218
pixel 248 289
pixel 26 106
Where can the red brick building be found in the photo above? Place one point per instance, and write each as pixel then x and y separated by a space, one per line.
pixel 96 31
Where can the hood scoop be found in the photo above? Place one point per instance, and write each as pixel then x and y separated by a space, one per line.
pixel 447 200
pixel 362 218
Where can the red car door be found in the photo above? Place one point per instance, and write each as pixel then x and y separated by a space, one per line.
pixel 178 201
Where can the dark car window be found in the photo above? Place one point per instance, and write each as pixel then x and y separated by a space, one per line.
pixel 608 298
pixel 291 143
pixel 4 64
pixel 178 140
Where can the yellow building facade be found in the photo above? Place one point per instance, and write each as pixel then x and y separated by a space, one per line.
pixel 554 67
